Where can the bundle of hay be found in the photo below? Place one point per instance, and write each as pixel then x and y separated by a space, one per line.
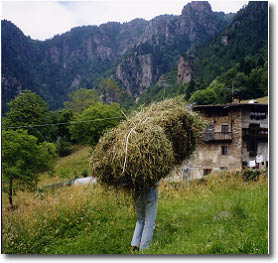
pixel 144 148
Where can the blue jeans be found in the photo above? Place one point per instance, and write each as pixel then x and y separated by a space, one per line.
pixel 146 208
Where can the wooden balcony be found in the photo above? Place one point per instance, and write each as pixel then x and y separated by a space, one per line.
pixel 216 136
pixel 255 133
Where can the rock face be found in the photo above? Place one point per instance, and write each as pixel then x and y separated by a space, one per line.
pixel 224 40
pixel 185 70
pixel 137 73
pixel 164 38
pixel 136 54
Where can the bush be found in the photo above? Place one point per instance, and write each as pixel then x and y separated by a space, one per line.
pixel 84 173
pixel 251 174
pixel 63 147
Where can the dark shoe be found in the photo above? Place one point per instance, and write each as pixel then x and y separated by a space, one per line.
pixel 134 248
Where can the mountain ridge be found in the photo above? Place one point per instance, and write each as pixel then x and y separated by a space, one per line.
pixel 135 54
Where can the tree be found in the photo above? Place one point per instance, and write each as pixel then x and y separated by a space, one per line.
pixel 92 123
pixel 52 129
pixel 28 109
pixel 22 161
pixel 221 92
pixel 109 89
pixel 203 97
pixel 190 89
pixel 63 143
pixel 260 62
pixel 64 116
pixel 258 82
pixel 81 99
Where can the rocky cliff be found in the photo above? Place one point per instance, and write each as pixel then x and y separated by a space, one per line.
pixel 186 69
pixel 164 39
pixel 135 54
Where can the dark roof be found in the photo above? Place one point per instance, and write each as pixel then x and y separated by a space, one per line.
pixel 231 105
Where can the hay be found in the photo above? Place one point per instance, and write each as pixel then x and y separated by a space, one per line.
pixel 144 148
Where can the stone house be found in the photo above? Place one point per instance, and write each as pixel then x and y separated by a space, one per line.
pixel 236 138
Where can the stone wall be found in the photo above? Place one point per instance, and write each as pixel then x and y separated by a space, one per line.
pixel 208 156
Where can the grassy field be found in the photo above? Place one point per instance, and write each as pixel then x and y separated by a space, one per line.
pixel 69 166
pixel 220 214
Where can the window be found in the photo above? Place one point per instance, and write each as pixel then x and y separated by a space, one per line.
pixel 258 115
pixel 223 168
pixel 225 128
pixel 224 150
pixel 252 146
pixel 254 129
pixel 207 171
pixel 244 165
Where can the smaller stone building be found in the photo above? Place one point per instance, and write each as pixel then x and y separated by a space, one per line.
pixel 236 137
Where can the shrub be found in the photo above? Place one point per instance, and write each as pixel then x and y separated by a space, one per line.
pixel 251 174
pixel 84 173
pixel 63 147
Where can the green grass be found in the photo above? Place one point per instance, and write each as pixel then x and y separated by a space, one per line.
pixel 224 223
pixel 219 215
pixel 69 166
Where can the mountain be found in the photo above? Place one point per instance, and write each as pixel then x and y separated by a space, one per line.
pixel 232 64
pixel 164 39
pixel 245 36
pixel 135 54
pixel 19 55
pixel 235 63
pixel 55 67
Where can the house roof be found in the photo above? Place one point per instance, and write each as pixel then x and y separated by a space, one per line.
pixel 231 105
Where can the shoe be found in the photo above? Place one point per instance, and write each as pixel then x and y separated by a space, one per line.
pixel 134 248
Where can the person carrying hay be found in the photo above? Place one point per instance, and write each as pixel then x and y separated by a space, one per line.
pixel 143 149
pixel 146 209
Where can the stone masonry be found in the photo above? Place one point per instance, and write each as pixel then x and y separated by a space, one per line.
pixel 223 144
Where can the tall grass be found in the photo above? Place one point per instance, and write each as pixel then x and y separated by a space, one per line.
pixel 220 214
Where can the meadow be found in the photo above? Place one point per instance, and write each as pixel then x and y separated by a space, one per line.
pixel 220 214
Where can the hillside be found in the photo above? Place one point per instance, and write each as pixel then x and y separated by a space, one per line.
pixel 135 54
pixel 246 36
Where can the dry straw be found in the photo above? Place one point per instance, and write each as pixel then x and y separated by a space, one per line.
pixel 145 147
